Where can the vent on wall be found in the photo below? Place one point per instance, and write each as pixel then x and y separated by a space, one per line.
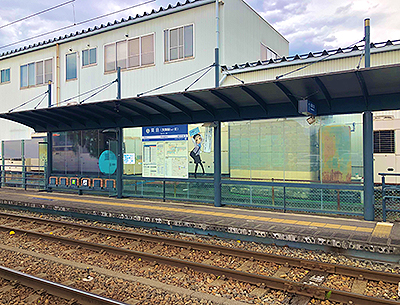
pixel 384 142
pixel 383 117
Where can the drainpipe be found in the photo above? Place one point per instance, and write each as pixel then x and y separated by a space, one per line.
pixel 368 137
pixel 57 74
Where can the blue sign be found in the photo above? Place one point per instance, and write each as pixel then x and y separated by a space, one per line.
pixel 165 133
pixel 307 108
pixel 194 131
pixel 108 162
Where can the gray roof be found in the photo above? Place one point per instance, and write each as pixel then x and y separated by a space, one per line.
pixel 170 9
pixel 312 56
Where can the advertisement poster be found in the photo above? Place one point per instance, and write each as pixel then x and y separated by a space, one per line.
pixel 165 152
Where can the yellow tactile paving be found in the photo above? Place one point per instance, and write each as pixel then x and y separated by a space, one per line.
pixel 303 223
pixel 381 229
pixel 361 229
pixel 349 228
pixel 332 226
pixel 317 224
pixel 289 221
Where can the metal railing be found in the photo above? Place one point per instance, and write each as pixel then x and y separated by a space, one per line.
pixel 391 194
pixel 23 176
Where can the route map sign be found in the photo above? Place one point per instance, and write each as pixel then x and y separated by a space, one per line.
pixel 165 151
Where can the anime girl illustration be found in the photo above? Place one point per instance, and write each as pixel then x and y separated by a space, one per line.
pixel 195 153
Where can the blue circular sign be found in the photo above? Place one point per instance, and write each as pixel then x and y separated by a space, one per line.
pixel 108 162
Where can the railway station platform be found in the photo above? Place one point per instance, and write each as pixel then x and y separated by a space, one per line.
pixel 367 239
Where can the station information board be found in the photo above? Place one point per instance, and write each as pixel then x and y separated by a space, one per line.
pixel 165 151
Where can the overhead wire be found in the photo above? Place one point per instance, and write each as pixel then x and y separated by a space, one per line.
pixel 36 14
pixel 76 24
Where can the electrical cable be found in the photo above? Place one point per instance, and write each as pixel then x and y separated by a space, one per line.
pixel 310 64
pixel 36 14
pixel 175 81
pixel 75 24
pixel 27 102
pixel 198 79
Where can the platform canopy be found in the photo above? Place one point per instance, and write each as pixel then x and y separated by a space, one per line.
pixel 351 91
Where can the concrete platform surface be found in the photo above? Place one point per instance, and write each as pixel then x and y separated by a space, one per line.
pixel 270 226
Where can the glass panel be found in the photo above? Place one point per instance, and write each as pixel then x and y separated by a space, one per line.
pixel 147 50
pixel 85 57
pixel 48 70
pixel 12 150
pixel 121 54
pixel 133 53
pixel 31 74
pixel 31 148
pixel 71 66
pixel 174 54
pixel 110 57
pixel 39 73
pixel 133 151
pixel 24 76
pixel 173 38
pixel 188 41
pixel 93 56
pixel 5 75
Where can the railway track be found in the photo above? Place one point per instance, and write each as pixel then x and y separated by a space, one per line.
pixel 50 288
pixel 293 275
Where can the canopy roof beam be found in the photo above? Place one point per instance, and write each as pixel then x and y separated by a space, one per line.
pixel 201 103
pixel 260 101
pixel 289 95
pixel 324 91
pixel 157 108
pixel 363 87
pixel 139 111
pixel 227 101
pixel 182 108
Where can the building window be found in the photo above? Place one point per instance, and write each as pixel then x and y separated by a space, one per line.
pixel 178 43
pixel 89 57
pixel 5 75
pixel 267 53
pixel 384 142
pixel 131 53
pixel 36 73
pixel 71 66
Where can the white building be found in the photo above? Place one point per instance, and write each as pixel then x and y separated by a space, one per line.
pixel 152 50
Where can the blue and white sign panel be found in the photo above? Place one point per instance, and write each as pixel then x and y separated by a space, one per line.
pixel 165 133
pixel 307 108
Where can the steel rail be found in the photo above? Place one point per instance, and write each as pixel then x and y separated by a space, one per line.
pixel 262 280
pixel 282 260
pixel 62 291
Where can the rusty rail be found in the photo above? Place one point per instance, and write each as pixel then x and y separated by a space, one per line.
pixel 62 291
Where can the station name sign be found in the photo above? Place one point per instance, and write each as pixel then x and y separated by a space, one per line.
pixel 307 108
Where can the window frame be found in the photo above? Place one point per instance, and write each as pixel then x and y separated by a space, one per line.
pixel 168 44
pixel 97 56
pixel 126 40
pixel 268 49
pixel 6 82
pixel 77 66
pixel 43 61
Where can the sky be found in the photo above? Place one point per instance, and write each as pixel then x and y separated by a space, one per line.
pixel 308 25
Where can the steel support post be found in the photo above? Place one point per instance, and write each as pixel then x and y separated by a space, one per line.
pixel 368 159
pixel 49 165
pixel 3 163
pixel 217 164
pixel 120 162
pixel 23 164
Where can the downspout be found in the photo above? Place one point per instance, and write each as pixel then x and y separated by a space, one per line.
pixel 57 74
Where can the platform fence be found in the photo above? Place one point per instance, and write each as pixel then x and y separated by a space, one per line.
pixel 387 198
pixel 23 176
